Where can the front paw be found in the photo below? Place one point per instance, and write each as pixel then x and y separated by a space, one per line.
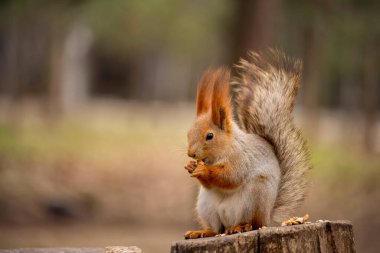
pixel 191 166
pixel 200 172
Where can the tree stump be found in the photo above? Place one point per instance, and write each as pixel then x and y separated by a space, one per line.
pixel 328 236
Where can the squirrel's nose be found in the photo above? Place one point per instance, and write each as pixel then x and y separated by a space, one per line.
pixel 191 154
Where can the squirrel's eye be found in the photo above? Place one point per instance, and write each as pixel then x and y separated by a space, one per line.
pixel 209 136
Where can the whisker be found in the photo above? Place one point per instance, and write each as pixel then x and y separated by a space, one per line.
pixel 181 149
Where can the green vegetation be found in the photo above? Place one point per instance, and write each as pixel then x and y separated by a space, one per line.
pixel 336 162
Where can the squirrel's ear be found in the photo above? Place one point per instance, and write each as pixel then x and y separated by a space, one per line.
pixel 221 100
pixel 204 92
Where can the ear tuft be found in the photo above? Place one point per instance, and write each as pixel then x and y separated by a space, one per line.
pixel 204 91
pixel 222 118
pixel 221 99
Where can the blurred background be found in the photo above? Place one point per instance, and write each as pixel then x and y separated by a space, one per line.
pixel 96 98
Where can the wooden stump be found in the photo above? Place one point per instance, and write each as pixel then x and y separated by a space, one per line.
pixel 326 236
pixel 122 249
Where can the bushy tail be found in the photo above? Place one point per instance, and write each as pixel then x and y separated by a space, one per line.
pixel 264 96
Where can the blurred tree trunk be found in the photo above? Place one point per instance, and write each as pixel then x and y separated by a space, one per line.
pixel 369 94
pixel 255 27
pixel 68 84
pixel 13 73
pixel 312 61
pixel 32 66
pixel 74 69
pixel 53 107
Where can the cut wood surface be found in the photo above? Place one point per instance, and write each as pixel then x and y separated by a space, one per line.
pixel 327 236
pixel 122 249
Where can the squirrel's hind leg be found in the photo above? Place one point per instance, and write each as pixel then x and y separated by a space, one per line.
pixel 239 229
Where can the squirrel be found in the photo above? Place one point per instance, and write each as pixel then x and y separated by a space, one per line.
pixel 249 157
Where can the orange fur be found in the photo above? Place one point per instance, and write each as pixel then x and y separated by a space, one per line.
pixel 215 176
pixel 213 91
pixel 257 219
pixel 221 101
pixel 204 91
pixel 239 229
pixel 200 234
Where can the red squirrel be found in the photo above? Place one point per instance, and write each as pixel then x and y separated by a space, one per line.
pixel 251 160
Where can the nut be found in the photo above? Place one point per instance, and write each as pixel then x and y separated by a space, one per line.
pixel 200 162
pixel 295 220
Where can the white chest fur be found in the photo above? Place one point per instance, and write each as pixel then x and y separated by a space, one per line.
pixel 225 208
